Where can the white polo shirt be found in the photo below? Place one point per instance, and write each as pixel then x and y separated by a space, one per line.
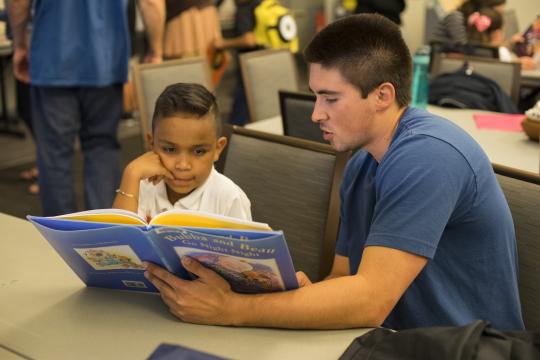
pixel 218 195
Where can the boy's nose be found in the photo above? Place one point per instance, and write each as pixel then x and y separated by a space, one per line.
pixel 182 163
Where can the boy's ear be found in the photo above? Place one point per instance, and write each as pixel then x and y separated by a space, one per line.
pixel 149 139
pixel 220 145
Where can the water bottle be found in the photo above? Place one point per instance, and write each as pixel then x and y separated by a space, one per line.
pixel 420 81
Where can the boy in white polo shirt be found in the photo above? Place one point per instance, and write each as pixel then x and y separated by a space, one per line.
pixel 179 171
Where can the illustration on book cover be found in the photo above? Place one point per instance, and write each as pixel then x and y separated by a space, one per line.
pixel 111 257
pixel 244 275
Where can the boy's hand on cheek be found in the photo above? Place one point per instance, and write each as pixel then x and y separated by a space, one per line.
pixel 149 166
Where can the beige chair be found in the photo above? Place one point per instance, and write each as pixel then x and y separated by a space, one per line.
pixel 151 79
pixel 265 72
pixel 522 191
pixel 506 74
pixel 293 185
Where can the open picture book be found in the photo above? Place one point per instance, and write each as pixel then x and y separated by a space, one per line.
pixel 106 248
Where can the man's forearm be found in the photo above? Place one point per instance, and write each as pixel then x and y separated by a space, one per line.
pixel 19 15
pixel 153 14
pixel 344 302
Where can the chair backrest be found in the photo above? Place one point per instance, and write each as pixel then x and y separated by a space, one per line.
pixel 264 72
pixel 522 191
pixel 506 74
pixel 293 185
pixel 151 79
pixel 469 49
pixel 296 109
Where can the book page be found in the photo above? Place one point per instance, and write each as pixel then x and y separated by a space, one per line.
pixel 201 219
pixel 113 216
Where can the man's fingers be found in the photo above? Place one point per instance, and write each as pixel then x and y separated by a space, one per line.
pixel 205 275
pixel 159 275
pixel 302 279
pixel 164 289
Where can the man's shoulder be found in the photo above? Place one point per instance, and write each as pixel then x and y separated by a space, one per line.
pixel 419 125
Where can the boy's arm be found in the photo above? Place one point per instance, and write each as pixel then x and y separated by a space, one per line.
pixel 362 300
pixel 146 166
pixel 127 195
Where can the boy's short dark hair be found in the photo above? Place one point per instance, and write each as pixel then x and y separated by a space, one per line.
pixel 368 50
pixel 186 99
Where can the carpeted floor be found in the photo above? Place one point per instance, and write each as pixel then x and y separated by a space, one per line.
pixel 15 199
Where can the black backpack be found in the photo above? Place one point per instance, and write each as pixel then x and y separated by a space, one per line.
pixel 477 340
pixel 469 90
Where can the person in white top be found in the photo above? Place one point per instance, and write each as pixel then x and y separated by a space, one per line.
pixel 179 170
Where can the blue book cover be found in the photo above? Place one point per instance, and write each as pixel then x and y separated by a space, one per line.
pixel 179 352
pixel 106 251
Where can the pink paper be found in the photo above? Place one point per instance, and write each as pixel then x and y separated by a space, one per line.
pixel 503 122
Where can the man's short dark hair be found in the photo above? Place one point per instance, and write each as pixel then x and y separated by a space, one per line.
pixel 186 99
pixel 368 50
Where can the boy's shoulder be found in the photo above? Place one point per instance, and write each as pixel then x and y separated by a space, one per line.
pixel 221 185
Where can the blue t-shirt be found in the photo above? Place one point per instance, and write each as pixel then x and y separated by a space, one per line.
pixel 434 194
pixel 79 43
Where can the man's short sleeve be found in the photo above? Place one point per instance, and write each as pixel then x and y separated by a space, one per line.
pixel 420 186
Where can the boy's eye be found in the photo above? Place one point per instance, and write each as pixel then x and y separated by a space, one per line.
pixel 200 152
pixel 168 149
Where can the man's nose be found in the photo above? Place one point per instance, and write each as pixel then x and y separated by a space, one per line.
pixel 318 114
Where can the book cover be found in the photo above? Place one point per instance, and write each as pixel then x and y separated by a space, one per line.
pixel 179 352
pixel 106 249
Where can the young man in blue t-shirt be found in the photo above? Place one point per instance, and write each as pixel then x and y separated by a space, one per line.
pixel 426 236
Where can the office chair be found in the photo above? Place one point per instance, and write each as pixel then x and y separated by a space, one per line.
pixel 293 185
pixel 151 79
pixel 522 191
pixel 296 109
pixel 506 74
pixel 264 72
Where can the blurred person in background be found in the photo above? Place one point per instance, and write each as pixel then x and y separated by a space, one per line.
pixel 76 61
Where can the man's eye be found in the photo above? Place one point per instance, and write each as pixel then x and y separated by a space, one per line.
pixel 330 100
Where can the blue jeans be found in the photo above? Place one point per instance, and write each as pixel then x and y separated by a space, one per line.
pixel 59 114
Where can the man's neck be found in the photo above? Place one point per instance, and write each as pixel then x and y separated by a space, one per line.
pixel 388 121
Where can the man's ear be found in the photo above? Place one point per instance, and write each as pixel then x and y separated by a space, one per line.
pixel 220 145
pixel 385 96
